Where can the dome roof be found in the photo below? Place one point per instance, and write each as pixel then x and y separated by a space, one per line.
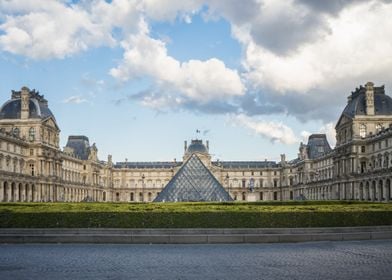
pixel 357 104
pixel 197 146
pixel 38 106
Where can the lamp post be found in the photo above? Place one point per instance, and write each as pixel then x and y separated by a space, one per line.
pixel 143 187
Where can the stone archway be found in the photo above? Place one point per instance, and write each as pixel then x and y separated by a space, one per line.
pixel 373 192
pixel 26 191
pixel 388 190
pixel 20 192
pixel 5 191
pixel 367 191
pixel 361 191
pixel 33 193
pixel 13 192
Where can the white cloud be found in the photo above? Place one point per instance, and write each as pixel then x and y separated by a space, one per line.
pixel 75 99
pixel 168 10
pixel 305 136
pixel 276 132
pixel 353 50
pixel 299 56
pixel 196 80
pixel 46 29
pixel 328 129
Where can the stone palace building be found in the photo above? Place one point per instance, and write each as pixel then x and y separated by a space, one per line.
pixel 34 168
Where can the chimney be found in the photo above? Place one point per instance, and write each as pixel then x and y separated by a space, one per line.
pixel 208 145
pixel 369 98
pixel 185 146
pixel 25 94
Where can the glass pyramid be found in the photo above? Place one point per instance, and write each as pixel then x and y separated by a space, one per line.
pixel 193 182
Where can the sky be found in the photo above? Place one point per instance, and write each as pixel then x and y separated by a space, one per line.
pixel 255 77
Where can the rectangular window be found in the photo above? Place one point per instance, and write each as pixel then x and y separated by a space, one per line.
pixel 31 152
pixel 363 149
pixel 275 195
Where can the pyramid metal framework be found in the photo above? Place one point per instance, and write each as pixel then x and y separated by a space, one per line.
pixel 193 182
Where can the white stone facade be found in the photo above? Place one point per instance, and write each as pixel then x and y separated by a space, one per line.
pixel 34 168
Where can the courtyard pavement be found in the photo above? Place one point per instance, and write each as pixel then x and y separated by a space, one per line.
pixel 313 260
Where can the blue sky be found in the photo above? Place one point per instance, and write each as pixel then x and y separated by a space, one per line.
pixel 139 77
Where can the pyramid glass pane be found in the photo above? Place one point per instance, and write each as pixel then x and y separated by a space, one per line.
pixel 193 182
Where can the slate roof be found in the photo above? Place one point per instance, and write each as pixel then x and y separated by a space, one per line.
pixel 38 107
pixel 193 182
pixel 357 105
pixel 148 165
pixel 80 145
pixel 317 145
pixel 197 146
pixel 245 164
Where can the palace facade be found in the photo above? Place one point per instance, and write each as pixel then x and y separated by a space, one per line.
pixel 34 168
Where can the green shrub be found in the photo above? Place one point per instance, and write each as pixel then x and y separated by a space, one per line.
pixel 194 215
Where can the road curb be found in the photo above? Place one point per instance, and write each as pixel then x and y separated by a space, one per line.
pixel 193 236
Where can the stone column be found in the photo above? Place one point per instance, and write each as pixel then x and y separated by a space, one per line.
pixel 380 191
pixel 16 193
pixel 385 190
pixel 39 190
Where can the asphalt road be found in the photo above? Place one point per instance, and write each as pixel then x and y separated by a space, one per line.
pixel 315 260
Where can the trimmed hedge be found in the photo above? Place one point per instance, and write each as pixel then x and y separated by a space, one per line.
pixel 193 215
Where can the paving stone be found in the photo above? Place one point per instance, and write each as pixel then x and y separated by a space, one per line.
pixel 369 259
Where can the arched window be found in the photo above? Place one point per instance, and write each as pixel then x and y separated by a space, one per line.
pixel 31 134
pixel 362 131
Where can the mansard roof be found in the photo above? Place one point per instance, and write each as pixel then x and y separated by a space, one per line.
pixel 80 145
pixel 38 106
pixel 357 104
pixel 193 182
pixel 317 145
pixel 148 165
pixel 245 164
pixel 197 146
